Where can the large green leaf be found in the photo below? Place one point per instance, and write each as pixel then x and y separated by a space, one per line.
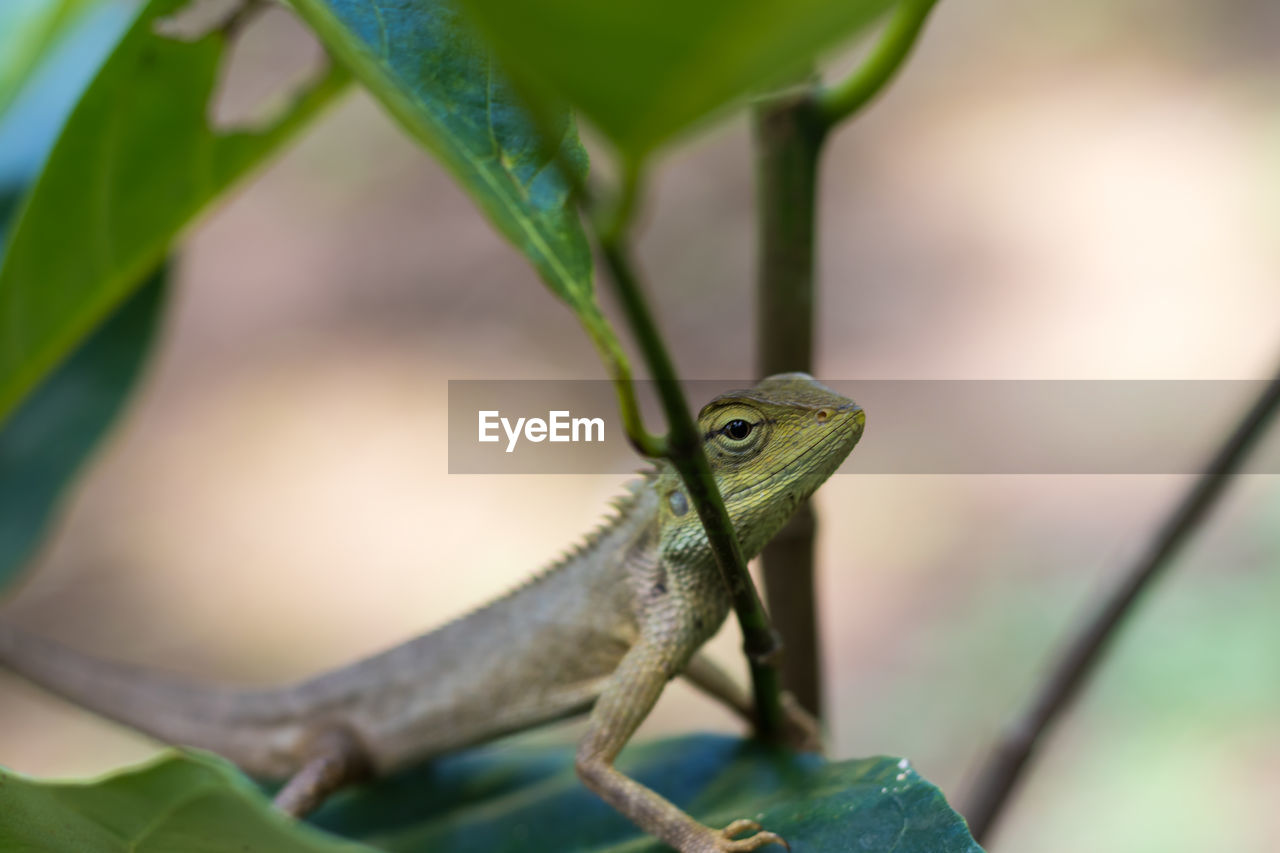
pixel 181 803
pixel 136 161
pixel 643 70
pixel 507 798
pixel 424 65
pixel 45 441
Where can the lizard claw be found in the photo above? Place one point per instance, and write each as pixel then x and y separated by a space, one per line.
pixel 726 843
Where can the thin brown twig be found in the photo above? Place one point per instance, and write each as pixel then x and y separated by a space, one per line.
pixel 1008 760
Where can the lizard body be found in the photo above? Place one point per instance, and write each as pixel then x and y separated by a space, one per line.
pixel 536 654
pixel 604 629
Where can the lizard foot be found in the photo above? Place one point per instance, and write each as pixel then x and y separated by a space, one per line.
pixel 726 843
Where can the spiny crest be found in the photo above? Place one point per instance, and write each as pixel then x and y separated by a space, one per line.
pixel 623 505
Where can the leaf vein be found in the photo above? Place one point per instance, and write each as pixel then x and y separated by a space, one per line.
pixel 537 243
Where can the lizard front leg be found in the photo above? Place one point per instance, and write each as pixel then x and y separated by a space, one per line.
pixel 629 695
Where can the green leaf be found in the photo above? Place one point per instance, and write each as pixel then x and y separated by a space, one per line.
pixel 643 70
pixel 427 69
pixel 46 440
pixel 135 162
pixel 49 436
pixel 511 798
pixel 181 803
pixel 504 797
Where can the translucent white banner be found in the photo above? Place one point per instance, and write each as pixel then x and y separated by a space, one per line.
pixel 913 426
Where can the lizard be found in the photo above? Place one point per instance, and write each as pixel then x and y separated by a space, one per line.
pixel 601 631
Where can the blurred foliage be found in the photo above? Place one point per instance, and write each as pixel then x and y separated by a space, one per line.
pixel 136 161
pixel 644 70
pixel 44 442
pixel 185 802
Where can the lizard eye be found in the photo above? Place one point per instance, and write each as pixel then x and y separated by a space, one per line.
pixel 735 432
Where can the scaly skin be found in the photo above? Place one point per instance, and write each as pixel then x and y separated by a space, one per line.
pixel 604 630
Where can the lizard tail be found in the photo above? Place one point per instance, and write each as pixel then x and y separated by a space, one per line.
pixel 259 730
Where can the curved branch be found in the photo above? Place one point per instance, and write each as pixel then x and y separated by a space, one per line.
pixel 619 370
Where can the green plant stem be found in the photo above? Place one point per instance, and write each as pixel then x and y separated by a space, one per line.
pixel 684 451
pixel 844 99
pixel 789 137
pixel 682 445
pixel 619 369
pixel 1008 761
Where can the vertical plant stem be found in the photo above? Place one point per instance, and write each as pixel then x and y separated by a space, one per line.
pixel 1009 759
pixel 789 140
pixel 790 133
pixel 788 143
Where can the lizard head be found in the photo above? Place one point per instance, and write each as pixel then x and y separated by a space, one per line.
pixel 770 447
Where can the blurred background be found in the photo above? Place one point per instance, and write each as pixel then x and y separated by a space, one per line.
pixel 1050 191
